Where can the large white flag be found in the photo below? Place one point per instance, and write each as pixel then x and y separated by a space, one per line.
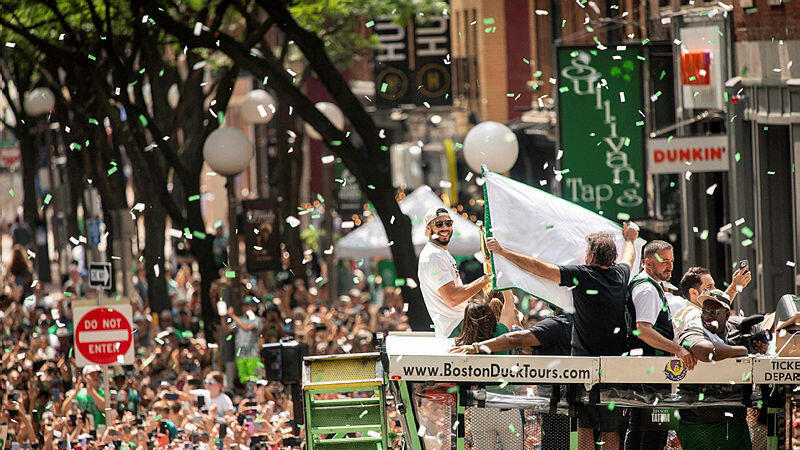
pixel 536 223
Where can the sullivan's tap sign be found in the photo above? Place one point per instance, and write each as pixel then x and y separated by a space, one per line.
pixel 601 129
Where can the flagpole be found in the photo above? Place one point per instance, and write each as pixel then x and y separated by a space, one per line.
pixel 487 264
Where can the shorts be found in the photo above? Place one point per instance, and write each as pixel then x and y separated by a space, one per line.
pixel 247 368
pixel 599 417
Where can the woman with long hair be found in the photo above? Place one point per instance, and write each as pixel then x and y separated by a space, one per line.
pixel 489 424
pixel 19 271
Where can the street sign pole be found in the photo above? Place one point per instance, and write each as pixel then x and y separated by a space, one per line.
pixel 100 277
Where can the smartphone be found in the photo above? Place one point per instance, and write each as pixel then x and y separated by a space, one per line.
pixel 250 404
pixel 201 401
pixel 171 396
pixel 743 263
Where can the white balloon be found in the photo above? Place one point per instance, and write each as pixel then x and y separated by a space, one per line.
pixel 39 101
pixel 228 151
pixel 332 112
pixel 493 144
pixel 258 106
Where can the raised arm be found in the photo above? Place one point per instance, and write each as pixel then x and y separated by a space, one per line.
pixel 629 233
pixel 741 278
pixel 508 315
pixel 524 262
pixel 454 294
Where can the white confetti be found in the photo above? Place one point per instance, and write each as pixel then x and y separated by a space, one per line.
pixel 294 221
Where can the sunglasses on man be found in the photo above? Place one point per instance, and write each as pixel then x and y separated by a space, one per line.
pixel 441 223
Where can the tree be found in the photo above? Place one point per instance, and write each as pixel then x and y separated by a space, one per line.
pixel 364 153
pixel 162 142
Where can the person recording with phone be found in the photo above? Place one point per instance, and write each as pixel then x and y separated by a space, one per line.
pixel 694 283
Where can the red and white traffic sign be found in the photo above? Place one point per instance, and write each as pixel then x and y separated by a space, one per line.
pixel 103 335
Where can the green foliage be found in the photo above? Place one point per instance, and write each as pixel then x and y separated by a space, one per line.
pixel 342 23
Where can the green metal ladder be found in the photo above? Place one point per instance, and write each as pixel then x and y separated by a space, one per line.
pixel 354 419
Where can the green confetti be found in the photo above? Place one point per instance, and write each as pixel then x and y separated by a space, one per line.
pixel 93 121
pixel 143 120
pixel 591 292
pixel 658 258
pixel 648 371
pixel 194 198
pixel 336 143
pixel 737 156
pixel 199 234
pixel 611 405
pixel 563 22
pixel 230 336
pixel 623 216
pixel 488 21
pixel 701 396
pixel 636 332
pixel 384 86
pixel 747 231
pixel 93 58
pixel 47 199
pixel 112 170
pixel 525 60
pixel 11 191
pixel 370 24
pixel 230 274
pixel 511 427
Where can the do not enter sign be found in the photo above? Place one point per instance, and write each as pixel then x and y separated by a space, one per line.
pixel 103 335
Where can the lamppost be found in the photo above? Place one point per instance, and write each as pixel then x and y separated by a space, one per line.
pixel 37 103
pixel 258 107
pixel 228 152
pixel 336 117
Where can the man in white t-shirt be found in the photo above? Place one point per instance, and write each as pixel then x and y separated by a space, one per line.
pixel 694 283
pixel 445 296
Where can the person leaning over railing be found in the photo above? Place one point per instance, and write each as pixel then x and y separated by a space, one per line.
pixel 711 339
pixel 487 424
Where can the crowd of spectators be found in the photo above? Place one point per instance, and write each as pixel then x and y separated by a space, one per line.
pixel 182 391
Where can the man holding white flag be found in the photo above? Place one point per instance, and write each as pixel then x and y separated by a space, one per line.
pixel 599 290
pixel 444 294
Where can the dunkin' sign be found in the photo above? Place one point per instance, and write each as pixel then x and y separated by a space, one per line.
pixel 695 154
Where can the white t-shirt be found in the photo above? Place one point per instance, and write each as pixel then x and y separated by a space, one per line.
pixel 437 268
pixel 223 402
pixel 646 300
pixel 675 303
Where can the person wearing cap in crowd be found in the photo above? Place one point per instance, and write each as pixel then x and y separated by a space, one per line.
pixel 696 281
pixel 248 331
pixel 712 339
pixel 89 394
pixel 444 294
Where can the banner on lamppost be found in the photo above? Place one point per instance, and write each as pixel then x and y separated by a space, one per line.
pixel 261 234
pixel 412 65
pixel 602 129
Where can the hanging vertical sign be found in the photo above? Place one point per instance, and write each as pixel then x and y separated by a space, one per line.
pixel 601 129
pixel 261 234
pixel 412 65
